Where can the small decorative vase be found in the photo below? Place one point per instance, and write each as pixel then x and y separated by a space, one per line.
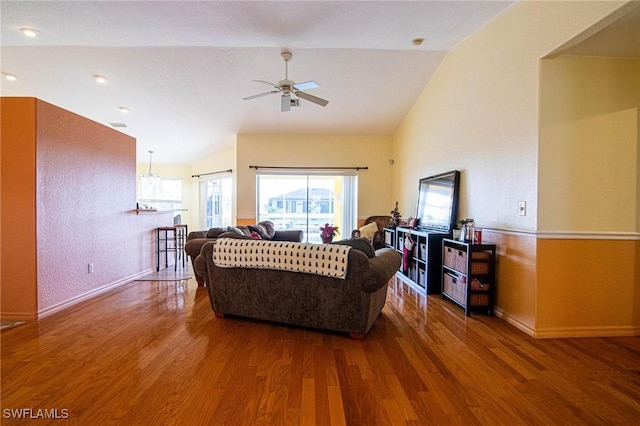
pixel 326 239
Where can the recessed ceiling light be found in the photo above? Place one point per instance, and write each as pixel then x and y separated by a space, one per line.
pixel 417 41
pixel 100 79
pixel 118 124
pixel 29 32
pixel 124 110
pixel 10 77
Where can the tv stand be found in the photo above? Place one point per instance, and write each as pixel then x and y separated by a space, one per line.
pixel 422 267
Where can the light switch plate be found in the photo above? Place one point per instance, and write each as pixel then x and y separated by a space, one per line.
pixel 522 208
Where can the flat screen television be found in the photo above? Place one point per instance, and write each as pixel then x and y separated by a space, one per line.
pixel 437 207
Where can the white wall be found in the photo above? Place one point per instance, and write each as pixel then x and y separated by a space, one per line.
pixel 588 176
pixel 479 113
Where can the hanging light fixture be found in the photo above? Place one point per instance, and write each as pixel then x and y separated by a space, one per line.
pixel 150 175
pixel 149 183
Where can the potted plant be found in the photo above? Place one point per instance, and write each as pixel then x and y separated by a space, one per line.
pixel 395 217
pixel 327 232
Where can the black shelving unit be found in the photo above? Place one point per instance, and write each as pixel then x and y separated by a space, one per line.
pixel 422 270
pixel 469 275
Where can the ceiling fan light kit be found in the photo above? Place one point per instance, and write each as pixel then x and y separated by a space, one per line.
pixel 288 87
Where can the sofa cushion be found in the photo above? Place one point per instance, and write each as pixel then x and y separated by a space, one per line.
pixel 215 232
pixel 235 234
pixel 368 230
pixel 270 229
pixel 361 244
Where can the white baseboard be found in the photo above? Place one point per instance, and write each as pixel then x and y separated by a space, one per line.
pixel 90 294
pixel 569 332
pixel 597 331
pixel 514 322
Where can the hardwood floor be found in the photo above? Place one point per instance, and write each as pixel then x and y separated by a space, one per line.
pixel 154 353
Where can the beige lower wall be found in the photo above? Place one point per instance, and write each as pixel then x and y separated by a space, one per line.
pixel 516 291
pixel 567 287
pixel 587 287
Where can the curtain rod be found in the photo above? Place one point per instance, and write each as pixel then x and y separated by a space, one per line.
pixel 214 173
pixel 309 168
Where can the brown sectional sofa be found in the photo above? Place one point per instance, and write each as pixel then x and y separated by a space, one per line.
pixel 305 299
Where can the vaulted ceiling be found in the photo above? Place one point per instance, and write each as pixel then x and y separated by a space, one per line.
pixel 181 68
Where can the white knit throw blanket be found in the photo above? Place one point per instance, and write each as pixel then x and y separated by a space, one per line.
pixel 321 259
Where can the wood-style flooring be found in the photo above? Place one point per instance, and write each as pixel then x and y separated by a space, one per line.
pixel 153 353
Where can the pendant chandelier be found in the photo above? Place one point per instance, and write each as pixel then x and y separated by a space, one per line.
pixel 150 176
pixel 148 184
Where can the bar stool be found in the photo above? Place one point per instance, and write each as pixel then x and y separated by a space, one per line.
pixel 181 241
pixel 177 236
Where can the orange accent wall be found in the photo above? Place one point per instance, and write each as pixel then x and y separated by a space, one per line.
pixel 588 287
pixel 516 277
pixel 68 200
pixel 18 235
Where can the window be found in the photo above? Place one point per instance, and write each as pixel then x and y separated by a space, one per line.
pixel 215 201
pixel 160 193
pixel 302 200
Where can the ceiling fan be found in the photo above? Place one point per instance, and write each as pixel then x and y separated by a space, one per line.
pixel 287 87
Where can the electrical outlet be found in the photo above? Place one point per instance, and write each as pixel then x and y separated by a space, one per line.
pixel 522 208
pixel 91 268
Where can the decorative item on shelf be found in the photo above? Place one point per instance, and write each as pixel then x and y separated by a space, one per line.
pixel 406 252
pixel 467 230
pixel 327 232
pixel 411 222
pixel 477 285
pixel 395 217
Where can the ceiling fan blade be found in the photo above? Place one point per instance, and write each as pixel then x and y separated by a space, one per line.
pixel 248 98
pixel 306 85
pixel 266 82
pixel 285 104
pixel 311 98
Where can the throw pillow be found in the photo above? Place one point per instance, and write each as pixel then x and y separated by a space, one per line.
pixel 245 230
pixel 368 230
pixel 261 230
pixel 214 232
pixel 270 228
pixel 242 230
pixel 361 244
